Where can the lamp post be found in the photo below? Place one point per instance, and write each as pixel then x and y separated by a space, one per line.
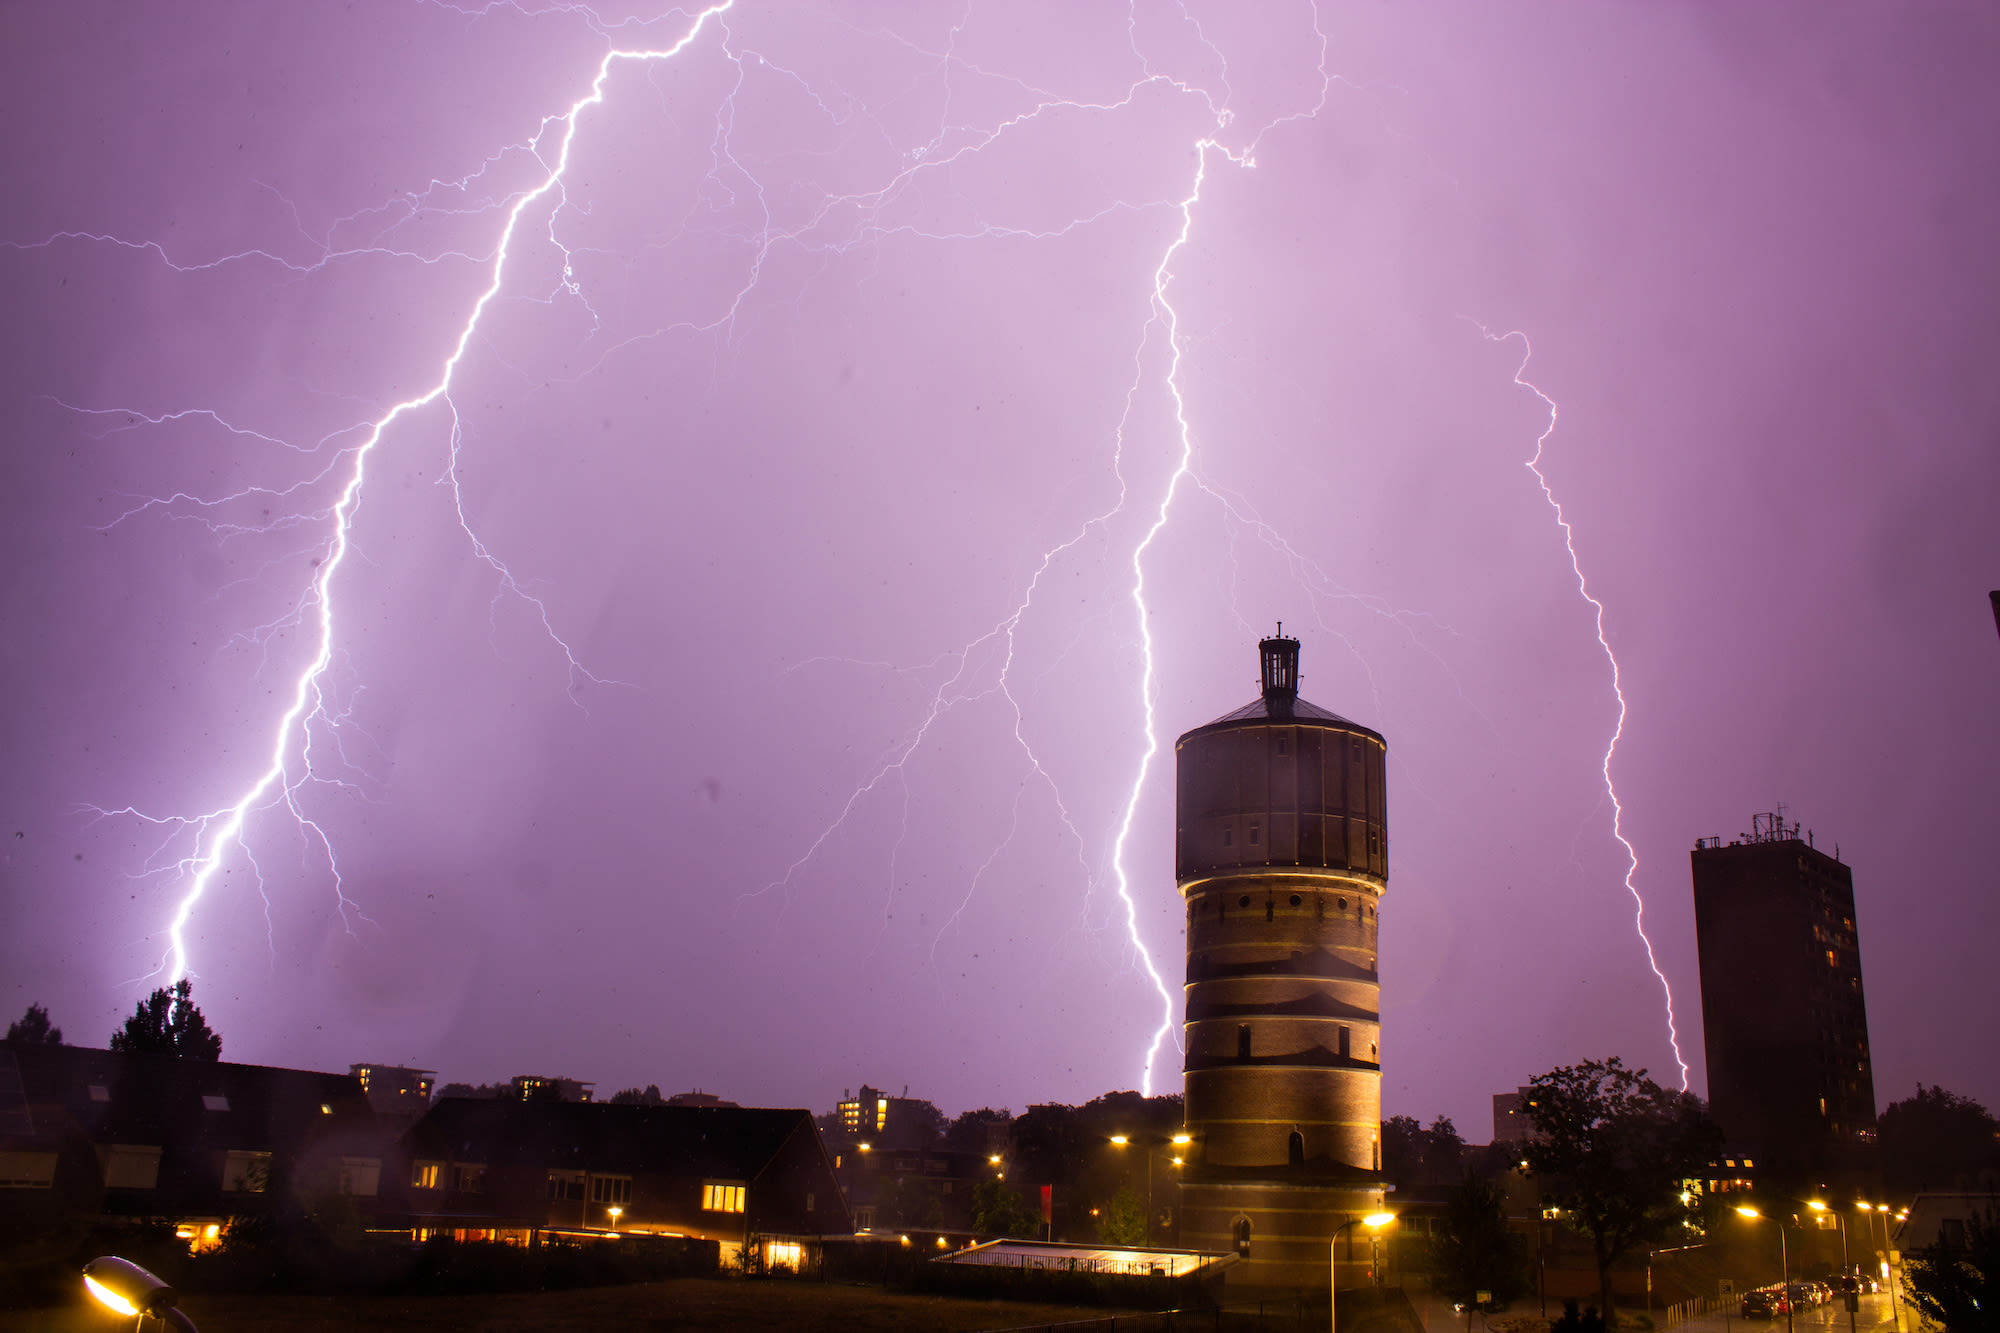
pixel 1846 1268
pixel 1819 1207
pixel 1374 1222
pixel 1784 1263
pixel 1152 1147
pixel 1895 1310
pixel 122 1286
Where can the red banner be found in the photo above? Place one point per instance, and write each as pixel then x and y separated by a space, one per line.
pixel 1049 1204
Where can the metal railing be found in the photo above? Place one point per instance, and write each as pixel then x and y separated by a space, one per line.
pixel 1682 1311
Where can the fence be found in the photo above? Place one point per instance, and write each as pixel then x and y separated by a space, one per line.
pixel 1680 1312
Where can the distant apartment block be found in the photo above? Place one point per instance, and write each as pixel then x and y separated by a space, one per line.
pixel 1784 1014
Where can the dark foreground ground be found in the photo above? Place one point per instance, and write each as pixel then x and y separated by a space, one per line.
pixel 698 1305
pixel 692 1304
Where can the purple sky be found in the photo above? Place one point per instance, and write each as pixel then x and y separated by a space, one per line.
pixel 821 410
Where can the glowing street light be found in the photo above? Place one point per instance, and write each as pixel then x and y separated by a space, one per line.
pixel 1895 1306
pixel 127 1289
pixel 1784 1263
pixel 1374 1222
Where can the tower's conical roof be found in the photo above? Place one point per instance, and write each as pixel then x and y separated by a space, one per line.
pixel 1280 700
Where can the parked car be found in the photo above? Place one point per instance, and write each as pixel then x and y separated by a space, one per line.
pixel 1763 1304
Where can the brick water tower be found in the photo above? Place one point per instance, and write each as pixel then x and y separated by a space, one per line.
pixel 1282 854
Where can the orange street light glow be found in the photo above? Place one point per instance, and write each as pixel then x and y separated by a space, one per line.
pixel 111 1299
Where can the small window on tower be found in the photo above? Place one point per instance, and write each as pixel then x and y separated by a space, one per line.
pixel 1256 835
pixel 1281 743
pixel 1243 1042
pixel 1229 837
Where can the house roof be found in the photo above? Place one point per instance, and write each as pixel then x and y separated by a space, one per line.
pixel 48 1092
pixel 727 1142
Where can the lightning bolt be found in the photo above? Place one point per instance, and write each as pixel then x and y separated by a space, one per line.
pixel 217 832
pixel 1534 465
pixel 837 222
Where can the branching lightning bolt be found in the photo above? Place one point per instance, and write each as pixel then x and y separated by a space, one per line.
pixel 982 669
pixel 1534 465
pixel 217 832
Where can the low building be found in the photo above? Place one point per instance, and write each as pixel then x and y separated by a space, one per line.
pixel 517 1171
pixel 95 1135
pixel 400 1095
pixel 536 1088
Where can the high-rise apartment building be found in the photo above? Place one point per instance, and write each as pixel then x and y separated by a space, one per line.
pixel 1784 1017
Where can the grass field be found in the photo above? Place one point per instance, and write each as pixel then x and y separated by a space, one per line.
pixel 693 1304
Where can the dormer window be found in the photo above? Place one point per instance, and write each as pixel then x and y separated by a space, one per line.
pixel 99 1093
pixel 214 1101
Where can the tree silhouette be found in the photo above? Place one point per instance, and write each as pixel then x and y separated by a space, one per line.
pixel 1938 1140
pixel 167 1023
pixel 1956 1282
pixel 32 1028
pixel 1476 1251
pixel 1616 1146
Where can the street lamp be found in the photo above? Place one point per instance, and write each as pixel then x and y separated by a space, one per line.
pixel 1895 1306
pixel 1152 1147
pixel 1784 1263
pixel 1839 1217
pixel 1374 1222
pixel 122 1286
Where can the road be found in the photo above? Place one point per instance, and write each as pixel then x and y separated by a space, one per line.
pixel 1875 1316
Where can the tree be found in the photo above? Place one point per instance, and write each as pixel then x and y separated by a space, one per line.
pixel 915 1124
pixel 1475 1251
pixel 1413 1155
pixel 1123 1220
pixel 1402 1150
pixel 972 1131
pixel 32 1028
pixel 1936 1140
pixel 998 1211
pixel 168 1023
pixel 634 1097
pixel 1614 1147
pixel 1956 1282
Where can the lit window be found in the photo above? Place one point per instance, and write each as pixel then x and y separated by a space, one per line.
pixel 782 1254
pixel 720 1198
pixel 424 1175
pixel 881 1113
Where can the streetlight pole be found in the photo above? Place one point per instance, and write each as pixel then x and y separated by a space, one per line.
pixel 1153 1147
pixel 1895 1306
pixel 1374 1222
pixel 1784 1263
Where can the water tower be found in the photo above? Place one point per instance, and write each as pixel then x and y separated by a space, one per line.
pixel 1282 854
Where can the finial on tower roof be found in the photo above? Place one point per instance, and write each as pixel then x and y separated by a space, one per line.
pixel 1281 669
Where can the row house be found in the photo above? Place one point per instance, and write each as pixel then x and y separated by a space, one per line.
pixel 97 1135
pixel 748 1178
